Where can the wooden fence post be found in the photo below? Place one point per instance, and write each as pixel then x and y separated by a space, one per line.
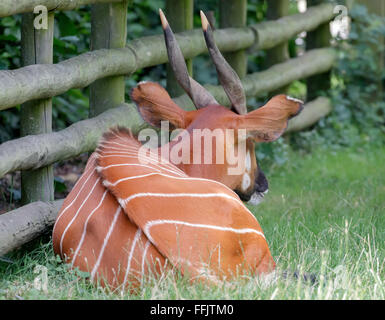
pixel 318 38
pixel 233 14
pixel 277 9
pixel 36 116
pixel 180 15
pixel 108 31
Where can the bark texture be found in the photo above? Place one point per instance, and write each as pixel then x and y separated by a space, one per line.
pixel 44 81
pixel 11 7
pixel 22 225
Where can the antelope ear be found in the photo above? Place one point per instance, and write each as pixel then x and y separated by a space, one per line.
pixel 155 105
pixel 269 122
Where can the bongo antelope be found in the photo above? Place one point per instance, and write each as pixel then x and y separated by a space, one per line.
pixel 124 219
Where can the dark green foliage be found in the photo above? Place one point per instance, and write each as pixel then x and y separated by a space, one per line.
pixel 9 59
pixel 143 18
pixel 60 186
pixel 358 103
pixel 72 37
pixel 362 73
pixel 9 124
pixel 72 31
pixel 359 107
pixel 10 42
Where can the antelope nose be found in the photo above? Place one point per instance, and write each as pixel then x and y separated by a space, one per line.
pixel 261 184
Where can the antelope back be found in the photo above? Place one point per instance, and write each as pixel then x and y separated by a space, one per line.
pixel 125 219
pixel 92 233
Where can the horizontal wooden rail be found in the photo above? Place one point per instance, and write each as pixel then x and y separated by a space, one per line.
pixel 40 150
pixel 312 62
pixel 310 115
pixel 44 81
pixel 256 84
pixel 11 7
pixel 22 225
pixel 36 151
pixel 272 33
pixel 26 223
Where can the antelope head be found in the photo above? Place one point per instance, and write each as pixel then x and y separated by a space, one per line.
pixel 265 124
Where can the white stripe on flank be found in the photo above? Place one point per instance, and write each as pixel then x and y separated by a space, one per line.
pixel 114 184
pixel 150 159
pixel 85 227
pixel 139 159
pixel 110 184
pixel 105 241
pixel 150 224
pixel 125 165
pixel 132 156
pixel 184 177
pixel 135 151
pixel 73 201
pixel 164 166
pixel 123 202
pixel 130 153
pixel 153 155
pixel 133 245
pixel 106 143
pixel 76 214
pixel 124 138
pixel 132 150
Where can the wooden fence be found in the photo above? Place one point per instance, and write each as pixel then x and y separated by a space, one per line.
pixel 104 68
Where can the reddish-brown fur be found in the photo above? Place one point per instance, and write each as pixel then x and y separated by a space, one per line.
pixel 130 251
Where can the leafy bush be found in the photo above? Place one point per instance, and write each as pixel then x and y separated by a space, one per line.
pixel 72 37
pixel 357 119
pixel 358 103
pixel 9 59
pixel 358 109
pixel 358 96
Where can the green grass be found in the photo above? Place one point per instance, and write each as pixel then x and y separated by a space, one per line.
pixel 324 214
